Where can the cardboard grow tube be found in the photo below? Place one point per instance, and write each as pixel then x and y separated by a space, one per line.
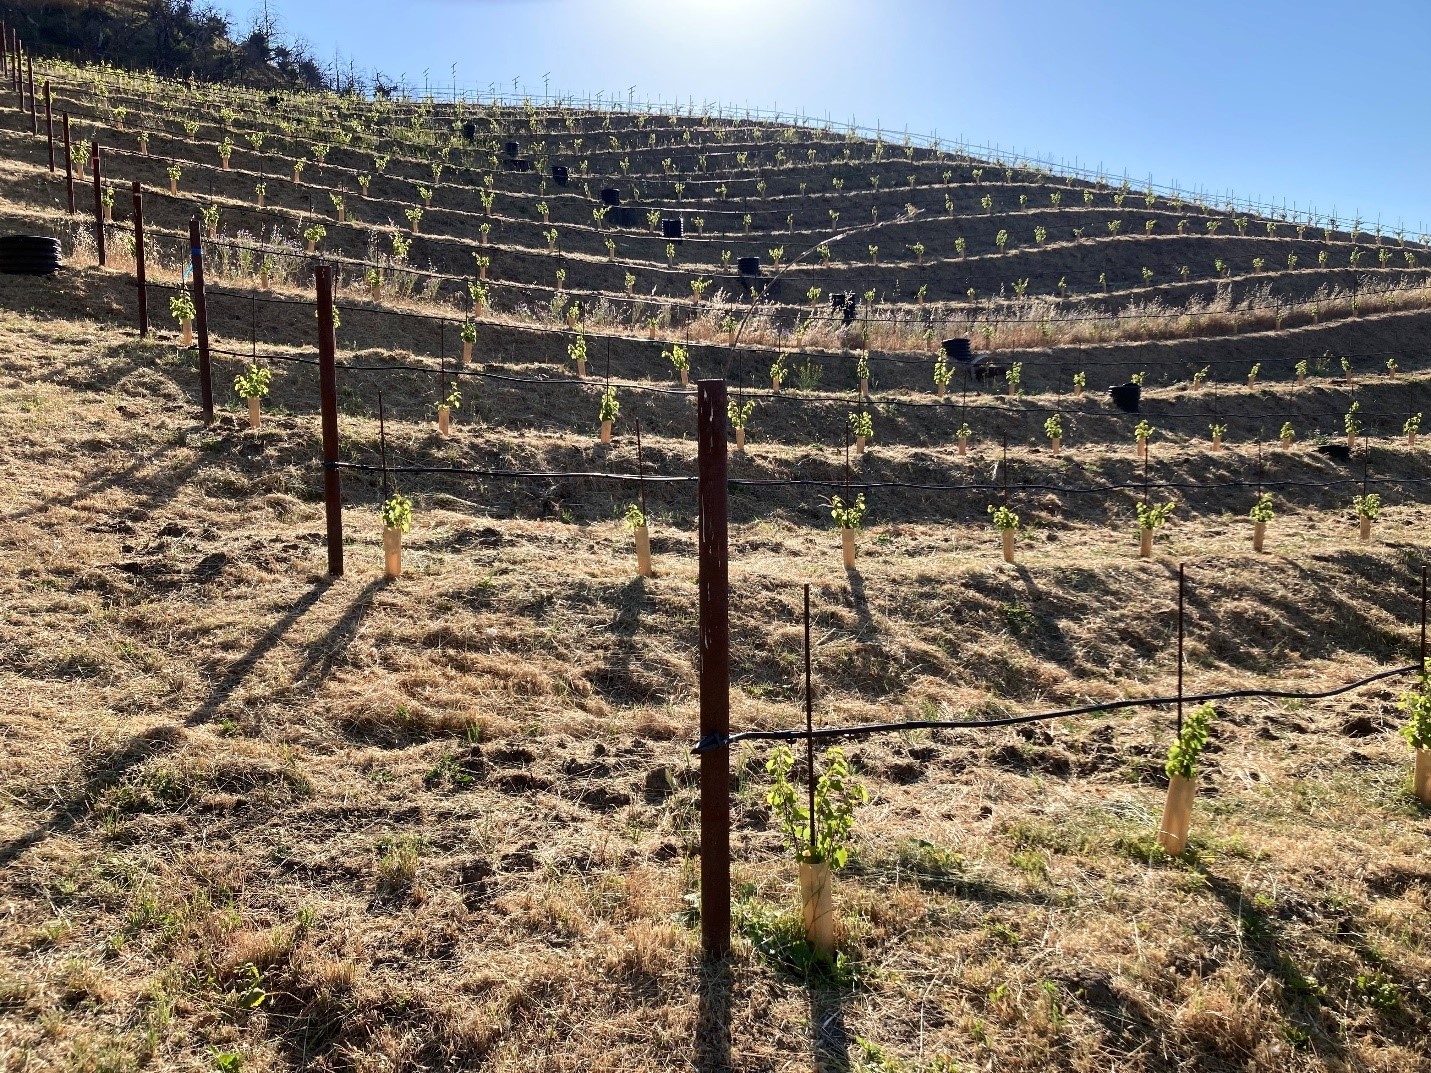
pixel 1177 815
pixel 817 907
pixel 1145 543
pixel 444 419
pixel 740 439
pixel 1259 535
pixel 1006 537
pixel 1365 528
pixel 466 352
pixel 847 541
pixel 392 552
pixel 606 432
pixel 643 551
pixel 187 326
pixel 253 417
pixel 1421 781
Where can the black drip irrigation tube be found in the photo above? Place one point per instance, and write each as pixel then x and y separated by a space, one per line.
pixel 716 741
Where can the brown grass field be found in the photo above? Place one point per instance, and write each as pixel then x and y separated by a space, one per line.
pixel 257 818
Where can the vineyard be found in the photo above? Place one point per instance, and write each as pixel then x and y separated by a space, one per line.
pixel 539 584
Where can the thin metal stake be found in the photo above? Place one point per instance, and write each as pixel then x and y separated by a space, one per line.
pixel 1365 463
pixel 1423 620
pixel 640 470
pixel 1005 467
pixel 1180 650
pixel 383 444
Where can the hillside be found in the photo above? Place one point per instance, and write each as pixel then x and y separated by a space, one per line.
pixel 261 818
pixel 179 38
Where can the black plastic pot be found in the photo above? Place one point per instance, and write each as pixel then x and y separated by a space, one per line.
pixel 560 174
pixel 469 131
pixel 748 266
pixel 957 350
pixel 30 255
pixel 521 164
pixel 1126 397
pixel 837 302
pixel 511 148
pixel 611 196
pixel 1337 452
pixel 852 306
pixel 672 228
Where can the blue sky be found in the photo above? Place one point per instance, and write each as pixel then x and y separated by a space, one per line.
pixel 1273 100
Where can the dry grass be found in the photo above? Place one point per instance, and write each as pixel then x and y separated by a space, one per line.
pixel 451 821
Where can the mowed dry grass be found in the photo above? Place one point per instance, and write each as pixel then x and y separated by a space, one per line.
pixel 450 822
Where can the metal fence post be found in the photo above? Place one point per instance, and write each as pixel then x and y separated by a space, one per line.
pixel 714 598
pixel 50 125
pixel 69 165
pixel 30 68
pixel 98 206
pixel 201 322
pixel 328 401
pixel 139 273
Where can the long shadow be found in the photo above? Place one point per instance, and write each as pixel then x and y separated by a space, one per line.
pixel 713 1021
pixel 323 655
pixel 829 1038
pixel 1296 996
pixel 619 674
pixel 150 743
pixel 239 670
pixel 860 598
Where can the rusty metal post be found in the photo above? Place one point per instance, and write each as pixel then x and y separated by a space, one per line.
pixel 69 165
pixel 4 49
pixel 98 205
pixel 714 615
pixel 50 125
pixel 328 403
pixel 139 274
pixel 201 322
pixel 30 68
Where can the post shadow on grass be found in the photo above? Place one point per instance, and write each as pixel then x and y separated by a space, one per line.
pixel 239 670
pixel 145 503
pixel 1297 996
pixel 623 665
pixel 1053 643
pixel 859 598
pixel 138 749
pixel 713 1023
pixel 323 654
pixel 829 1038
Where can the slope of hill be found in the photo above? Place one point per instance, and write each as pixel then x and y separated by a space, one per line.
pixel 261 818
pixel 178 37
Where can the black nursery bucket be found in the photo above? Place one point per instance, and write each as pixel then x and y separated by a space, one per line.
pixel 611 196
pixel 560 174
pixel 1126 397
pixel 957 350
